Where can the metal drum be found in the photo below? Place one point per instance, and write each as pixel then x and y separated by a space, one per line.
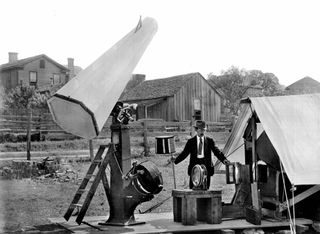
pixel 148 179
pixel 165 145
pixel 199 177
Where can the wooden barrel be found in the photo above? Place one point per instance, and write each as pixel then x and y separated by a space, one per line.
pixel 165 145
pixel 149 179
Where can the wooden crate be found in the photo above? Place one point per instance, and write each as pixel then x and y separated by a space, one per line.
pixel 190 206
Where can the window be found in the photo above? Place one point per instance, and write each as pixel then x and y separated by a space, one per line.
pixel 33 78
pixel 42 63
pixel 56 79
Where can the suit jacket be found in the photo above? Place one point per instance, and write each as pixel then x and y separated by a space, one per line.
pixel 191 148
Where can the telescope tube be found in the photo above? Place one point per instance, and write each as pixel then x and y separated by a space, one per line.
pixel 83 105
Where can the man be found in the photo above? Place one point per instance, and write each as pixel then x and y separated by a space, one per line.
pixel 199 147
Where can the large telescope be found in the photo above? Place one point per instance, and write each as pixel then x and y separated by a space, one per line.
pixel 83 105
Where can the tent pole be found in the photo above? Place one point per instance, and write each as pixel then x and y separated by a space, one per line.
pixel 293 209
pixel 254 185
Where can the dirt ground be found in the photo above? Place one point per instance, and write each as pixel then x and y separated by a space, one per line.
pixel 31 202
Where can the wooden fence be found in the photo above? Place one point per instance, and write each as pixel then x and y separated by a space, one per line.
pixel 44 128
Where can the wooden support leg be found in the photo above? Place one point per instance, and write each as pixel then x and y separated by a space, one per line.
pixel 300 228
pixel 177 209
pixel 215 211
pixel 189 210
pixel 227 231
pixel 202 209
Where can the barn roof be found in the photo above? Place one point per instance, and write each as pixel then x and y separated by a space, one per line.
pixel 292 124
pixel 159 88
pixel 305 85
pixel 22 62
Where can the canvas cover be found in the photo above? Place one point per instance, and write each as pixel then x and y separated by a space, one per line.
pixel 83 105
pixel 292 124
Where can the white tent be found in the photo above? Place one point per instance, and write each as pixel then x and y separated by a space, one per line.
pixel 292 123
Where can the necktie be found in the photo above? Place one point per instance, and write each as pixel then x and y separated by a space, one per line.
pixel 200 147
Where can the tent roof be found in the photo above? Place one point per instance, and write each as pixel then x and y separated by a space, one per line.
pixel 292 124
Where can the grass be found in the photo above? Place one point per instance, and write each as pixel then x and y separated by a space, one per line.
pixel 30 202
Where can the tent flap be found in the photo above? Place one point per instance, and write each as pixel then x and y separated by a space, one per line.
pixel 292 124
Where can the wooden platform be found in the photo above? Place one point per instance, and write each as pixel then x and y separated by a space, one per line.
pixel 163 223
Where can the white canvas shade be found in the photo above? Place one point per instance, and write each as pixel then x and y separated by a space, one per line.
pixel 292 123
pixel 83 105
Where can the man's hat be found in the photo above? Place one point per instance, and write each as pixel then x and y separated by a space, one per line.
pixel 200 124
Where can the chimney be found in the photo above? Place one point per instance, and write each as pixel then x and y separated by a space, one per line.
pixel 13 57
pixel 138 78
pixel 135 80
pixel 71 68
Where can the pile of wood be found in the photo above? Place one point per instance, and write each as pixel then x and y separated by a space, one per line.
pixel 20 169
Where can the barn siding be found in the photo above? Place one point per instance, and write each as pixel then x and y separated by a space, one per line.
pixel 17 76
pixel 209 100
pixel 45 75
pixel 180 106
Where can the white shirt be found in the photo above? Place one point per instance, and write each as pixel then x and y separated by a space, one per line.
pixel 202 151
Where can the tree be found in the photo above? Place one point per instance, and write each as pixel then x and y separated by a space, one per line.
pixel 230 83
pixel 268 82
pixel 25 98
pixel 234 83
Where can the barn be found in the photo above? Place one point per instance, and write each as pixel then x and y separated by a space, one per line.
pixel 177 98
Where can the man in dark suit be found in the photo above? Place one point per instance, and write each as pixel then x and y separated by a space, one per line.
pixel 199 147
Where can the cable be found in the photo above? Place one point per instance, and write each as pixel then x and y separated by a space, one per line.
pixel 292 229
pixel 235 150
pixel 293 208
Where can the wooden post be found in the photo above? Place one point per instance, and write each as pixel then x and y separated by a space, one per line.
pixel 91 150
pixel 29 133
pixel 192 130
pixel 145 139
pixel 254 185
pixel 39 126
pixel 253 214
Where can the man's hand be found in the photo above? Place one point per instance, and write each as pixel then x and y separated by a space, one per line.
pixel 226 161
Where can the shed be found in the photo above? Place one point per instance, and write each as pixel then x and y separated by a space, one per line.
pixel 176 98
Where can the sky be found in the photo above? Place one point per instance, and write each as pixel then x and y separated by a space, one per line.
pixel 206 36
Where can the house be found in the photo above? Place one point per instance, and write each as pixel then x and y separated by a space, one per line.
pixel 177 98
pixel 304 86
pixel 39 71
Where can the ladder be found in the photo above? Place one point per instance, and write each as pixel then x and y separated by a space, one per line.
pixel 100 175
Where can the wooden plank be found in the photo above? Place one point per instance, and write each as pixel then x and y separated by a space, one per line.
pixel 227 231
pixel 300 197
pixel 163 223
pixel 300 228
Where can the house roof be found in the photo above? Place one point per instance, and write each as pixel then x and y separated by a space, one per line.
pixel 305 85
pixel 159 88
pixel 292 126
pixel 22 62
